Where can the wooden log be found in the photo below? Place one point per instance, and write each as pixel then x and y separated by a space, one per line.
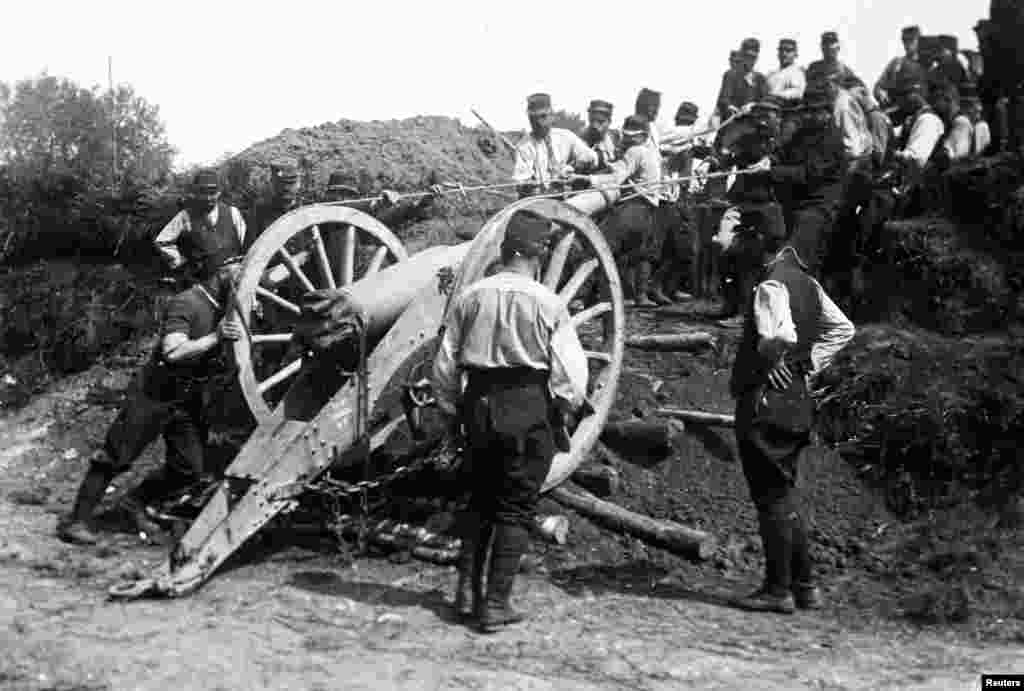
pixel 678 539
pixel 602 480
pixel 641 436
pixel 672 342
pixel 698 417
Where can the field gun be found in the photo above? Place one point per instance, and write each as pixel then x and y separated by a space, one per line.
pixel 330 409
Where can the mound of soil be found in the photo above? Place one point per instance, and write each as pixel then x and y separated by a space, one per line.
pixel 931 419
pixel 404 155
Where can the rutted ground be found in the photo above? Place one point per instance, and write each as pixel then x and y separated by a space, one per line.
pixel 609 613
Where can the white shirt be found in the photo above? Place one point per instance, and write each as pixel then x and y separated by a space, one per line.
pixel 510 320
pixel 787 82
pixel 982 137
pixel 541 160
pixel 166 240
pixel 774 322
pixel 853 123
pixel 924 136
pixel 960 139
pixel 640 163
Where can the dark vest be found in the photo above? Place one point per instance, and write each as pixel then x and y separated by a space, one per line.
pixel 750 368
pixel 206 246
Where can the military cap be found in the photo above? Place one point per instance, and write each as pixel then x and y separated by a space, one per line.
pixel 526 234
pixel 750 45
pixel 598 106
pixel 687 108
pixel 648 97
pixel 286 172
pixel 205 179
pixel 829 37
pixel 913 31
pixel 787 43
pixel 538 102
pixel 636 124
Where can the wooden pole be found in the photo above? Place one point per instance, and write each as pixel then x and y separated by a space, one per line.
pixel 671 342
pixel 698 417
pixel 678 539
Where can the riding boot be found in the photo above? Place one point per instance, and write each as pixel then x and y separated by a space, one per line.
pixel 75 527
pixel 805 592
pixel 470 535
pixel 485 533
pixel 777 539
pixel 160 482
pixel 510 542
pixel 659 291
pixel 641 285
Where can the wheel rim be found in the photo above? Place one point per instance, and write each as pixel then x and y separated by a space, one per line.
pixel 321 246
pixel 579 253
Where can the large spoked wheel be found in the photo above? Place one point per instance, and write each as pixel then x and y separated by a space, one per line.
pixel 310 248
pixel 580 262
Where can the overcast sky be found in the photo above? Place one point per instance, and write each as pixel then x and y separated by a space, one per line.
pixel 227 73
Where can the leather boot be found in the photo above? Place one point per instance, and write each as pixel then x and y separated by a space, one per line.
pixel 805 592
pixel 463 603
pixel 776 536
pixel 641 285
pixel 75 527
pixel 510 542
pixel 480 563
pixel 158 483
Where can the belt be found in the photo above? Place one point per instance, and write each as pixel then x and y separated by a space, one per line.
pixel 486 380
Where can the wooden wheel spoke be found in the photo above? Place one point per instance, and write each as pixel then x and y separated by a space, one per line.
pixel 272 338
pixel 591 312
pixel 598 355
pixel 295 269
pixel 321 255
pixel 579 277
pixel 280 272
pixel 377 261
pixel 348 255
pixel 285 372
pixel 556 265
pixel 278 300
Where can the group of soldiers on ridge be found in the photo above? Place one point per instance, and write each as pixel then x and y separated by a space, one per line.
pixel 805 149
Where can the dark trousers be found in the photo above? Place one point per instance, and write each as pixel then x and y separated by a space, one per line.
pixel 143 418
pixel 510 443
pixel 634 232
pixel 678 251
pixel 812 231
pixel 770 459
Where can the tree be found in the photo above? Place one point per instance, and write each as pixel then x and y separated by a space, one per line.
pixel 52 126
pixel 567 120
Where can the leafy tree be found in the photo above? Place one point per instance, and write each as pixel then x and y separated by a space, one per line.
pixel 566 120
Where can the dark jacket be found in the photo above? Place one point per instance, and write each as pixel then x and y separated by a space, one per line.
pixel 809 167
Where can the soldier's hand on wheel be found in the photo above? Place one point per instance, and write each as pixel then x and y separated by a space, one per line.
pixel 780 376
pixel 230 329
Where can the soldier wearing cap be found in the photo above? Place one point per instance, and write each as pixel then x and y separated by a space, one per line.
pixel 599 135
pixel 388 207
pixel 903 68
pixel 753 209
pixel 744 85
pixel 830 67
pixel 547 155
pixel 170 398
pixel 789 81
pixel 679 146
pixel 635 228
pixel 970 105
pixel 203 234
pixel 524 366
pixel 921 133
pixel 808 171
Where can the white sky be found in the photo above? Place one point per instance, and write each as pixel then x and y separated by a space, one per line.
pixel 227 73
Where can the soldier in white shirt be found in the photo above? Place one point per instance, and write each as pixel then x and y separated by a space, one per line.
pixel 525 371
pixel 548 155
pixel 789 81
pixel 598 133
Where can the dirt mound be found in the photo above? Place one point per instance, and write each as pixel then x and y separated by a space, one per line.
pixel 932 419
pixel 405 155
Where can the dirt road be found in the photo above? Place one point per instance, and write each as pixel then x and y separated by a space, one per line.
pixel 300 618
